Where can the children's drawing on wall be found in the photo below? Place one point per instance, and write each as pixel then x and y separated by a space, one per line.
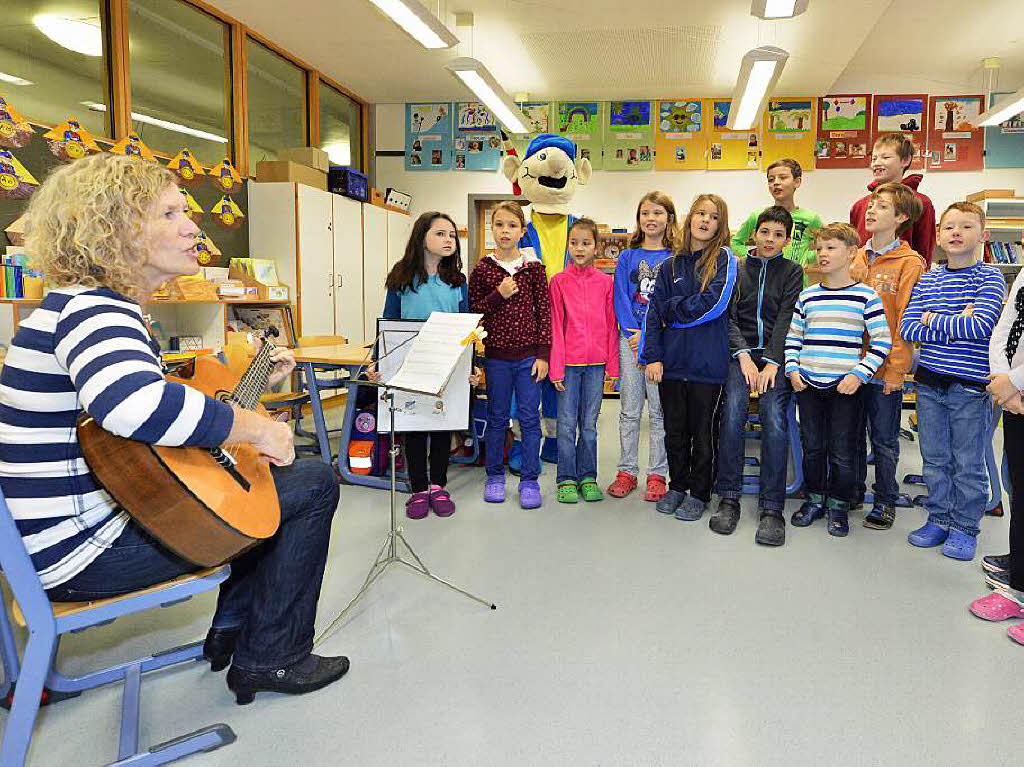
pixel 629 114
pixel 893 115
pixel 954 115
pixel 721 114
pixel 538 116
pixel 476 117
pixel 679 117
pixel 425 117
pixel 789 116
pixel 840 113
pixel 578 120
pixel 716 151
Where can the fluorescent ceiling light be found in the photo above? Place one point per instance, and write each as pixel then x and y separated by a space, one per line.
pixel 759 71
pixel 13 80
pixel 476 77
pixel 176 127
pixel 424 26
pixel 1011 106
pixel 778 9
pixel 74 34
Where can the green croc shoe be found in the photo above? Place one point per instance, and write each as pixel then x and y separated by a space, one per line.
pixel 590 489
pixel 567 492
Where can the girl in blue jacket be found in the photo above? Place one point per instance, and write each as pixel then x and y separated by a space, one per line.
pixel 685 347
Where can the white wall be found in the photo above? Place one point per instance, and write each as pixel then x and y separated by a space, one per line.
pixel 611 196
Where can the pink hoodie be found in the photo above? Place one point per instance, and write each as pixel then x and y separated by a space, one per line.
pixel 583 329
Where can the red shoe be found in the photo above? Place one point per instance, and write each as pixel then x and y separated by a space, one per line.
pixel 441 501
pixel 623 485
pixel 418 505
pixel 996 607
pixel 655 488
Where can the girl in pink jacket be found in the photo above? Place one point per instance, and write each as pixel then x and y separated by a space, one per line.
pixel 584 347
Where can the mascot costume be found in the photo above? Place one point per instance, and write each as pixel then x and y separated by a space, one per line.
pixel 547 176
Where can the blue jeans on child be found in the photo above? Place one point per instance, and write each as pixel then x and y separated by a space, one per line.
pixel 882 414
pixel 952 425
pixel 828 429
pixel 503 378
pixel 578 407
pixel 773 408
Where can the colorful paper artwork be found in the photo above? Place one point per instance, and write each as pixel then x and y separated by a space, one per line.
pixel 16 183
pixel 206 251
pixel 904 114
pixel 580 121
pixel 192 208
pixel 227 213
pixel 428 136
pixel 132 146
pixel 225 177
pixel 680 139
pixel 731 150
pixel 844 131
pixel 69 141
pixel 538 116
pixel 788 132
pixel 478 142
pixel 955 141
pixel 15 130
pixel 629 139
pixel 187 168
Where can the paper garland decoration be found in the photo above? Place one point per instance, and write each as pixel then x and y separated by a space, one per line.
pixel 1004 144
pixel 225 177
pixel 16 183
pixel 69 141
pixel 629 136
pixel 730 150
pixel 185 166
pixel 206 250
pixel 681 139
pixel 428 136
pixel 580 121
pixel 844 131
pixel 789 132
pixel 15 131
pixel 227 213
pixel 132 146
pixel 477 140
pixel 904 114
pixel 192 208
pixel 955 141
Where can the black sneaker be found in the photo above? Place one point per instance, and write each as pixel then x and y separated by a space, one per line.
pixel 880 517
pixel 998 563
pixel 724 520
pixel 1000 579
pixel 771 529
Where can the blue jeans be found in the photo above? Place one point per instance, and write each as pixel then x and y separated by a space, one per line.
pixel 828 430
pixel 503 378
pixel 578 407
pixel 773 407
pixel 952 425
pixel 882 414
pixel 273 589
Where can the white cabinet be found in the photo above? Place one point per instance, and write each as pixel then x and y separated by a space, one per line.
pixel 385 233
pixel 348 268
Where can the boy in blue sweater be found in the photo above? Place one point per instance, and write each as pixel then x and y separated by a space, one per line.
pixel 952 313
pixel 826 367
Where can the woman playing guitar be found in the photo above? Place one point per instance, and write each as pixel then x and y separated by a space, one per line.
pixel 107 231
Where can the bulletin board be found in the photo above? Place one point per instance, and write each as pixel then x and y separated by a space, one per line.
pixel 906 114
pixel 581 122
pixel 789 131
pixel 730 150
pixel 477 144
pixel 629 136
pixel 844 131
pixel 428 137
pixel 955 141
pixel 1004 144
pixel 681 137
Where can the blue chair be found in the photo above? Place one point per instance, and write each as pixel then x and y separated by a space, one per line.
pixel 752 482
pixel 36 682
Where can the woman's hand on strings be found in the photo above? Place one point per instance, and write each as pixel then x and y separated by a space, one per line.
pixel 283 361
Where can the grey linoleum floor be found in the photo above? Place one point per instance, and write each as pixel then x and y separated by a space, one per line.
pixel 622 637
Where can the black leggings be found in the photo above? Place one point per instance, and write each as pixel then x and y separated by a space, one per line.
pixel 1013 440
pixel 416 456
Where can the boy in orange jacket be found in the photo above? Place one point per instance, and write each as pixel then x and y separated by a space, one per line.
pixel 891 267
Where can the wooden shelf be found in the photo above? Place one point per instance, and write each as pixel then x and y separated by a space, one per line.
pixel 21 300
pixel 264 301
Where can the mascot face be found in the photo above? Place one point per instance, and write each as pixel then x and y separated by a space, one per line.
pixel 549 173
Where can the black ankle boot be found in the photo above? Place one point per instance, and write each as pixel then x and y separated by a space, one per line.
pixel 309 674
pixel 219 647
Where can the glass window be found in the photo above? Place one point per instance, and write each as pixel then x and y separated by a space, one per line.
pixel 276 90
pixel 340 127
pixel 181 94
pixel 53 61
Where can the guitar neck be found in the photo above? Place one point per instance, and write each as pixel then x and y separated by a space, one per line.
pixel 252 385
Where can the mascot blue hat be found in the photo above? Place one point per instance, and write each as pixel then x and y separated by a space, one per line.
pixel 545 140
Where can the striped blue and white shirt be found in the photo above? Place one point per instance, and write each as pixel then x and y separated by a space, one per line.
pixel 955 345
pixel 85 348
pixel 827 334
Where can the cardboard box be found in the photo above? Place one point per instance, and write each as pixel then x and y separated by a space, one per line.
pixel 377 197
pixel 283 170
pixel 309 156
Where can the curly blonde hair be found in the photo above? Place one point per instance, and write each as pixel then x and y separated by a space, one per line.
pixel 86 222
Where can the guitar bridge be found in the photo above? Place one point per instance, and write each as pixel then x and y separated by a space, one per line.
pixel 230 465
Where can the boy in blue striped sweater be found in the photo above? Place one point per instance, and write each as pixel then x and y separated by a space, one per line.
pixel 825 364
pixel 952 313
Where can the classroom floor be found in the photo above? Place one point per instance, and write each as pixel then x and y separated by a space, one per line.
pixel 622 637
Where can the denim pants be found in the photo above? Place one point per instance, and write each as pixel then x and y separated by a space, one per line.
pixel 953 425
pixel 273 589
pixel 503 378
pixel 692 412
pixel 634 388
pixel 773 408
pixel 578 408
pixel 828 430
pixel 882 414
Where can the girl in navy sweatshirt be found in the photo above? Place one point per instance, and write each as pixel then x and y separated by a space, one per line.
pixel 685 347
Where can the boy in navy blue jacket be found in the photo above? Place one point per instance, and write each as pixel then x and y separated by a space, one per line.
pixel 685 347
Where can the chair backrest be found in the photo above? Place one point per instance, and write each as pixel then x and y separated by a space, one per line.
pixel 17 567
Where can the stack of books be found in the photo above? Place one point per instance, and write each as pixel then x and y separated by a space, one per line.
pixel 999 252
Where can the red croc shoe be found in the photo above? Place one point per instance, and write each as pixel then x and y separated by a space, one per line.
pixel 623 485
pixel 655 488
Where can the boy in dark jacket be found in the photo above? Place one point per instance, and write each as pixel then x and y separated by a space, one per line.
pixel 767 286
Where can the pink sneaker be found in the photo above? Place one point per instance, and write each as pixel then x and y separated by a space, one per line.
pixel 441 501
pixel 996 607
pixel 1016 633
pixel 418 506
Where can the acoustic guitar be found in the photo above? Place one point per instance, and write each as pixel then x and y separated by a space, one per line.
pixel 207 505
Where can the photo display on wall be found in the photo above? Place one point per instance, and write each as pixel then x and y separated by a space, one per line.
pixel 1004 144
pixel 680 139
pixel 629 136
pixel 789 132
pixel 730 150
pixel 580 121
pixel 906 114
pixel 477 139
pixel 955 141
pixel 844 131
pixel 428 137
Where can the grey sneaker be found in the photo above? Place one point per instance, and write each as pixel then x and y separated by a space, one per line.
pixel 691 510
pixel 670 501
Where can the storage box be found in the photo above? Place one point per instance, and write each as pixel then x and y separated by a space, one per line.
pixel 396 199
pixel 283 170
pixel 348 182
pixel 377 197
pixel 309 156
pixel 986 194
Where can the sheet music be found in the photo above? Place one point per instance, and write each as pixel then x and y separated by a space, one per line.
pixel 435 352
